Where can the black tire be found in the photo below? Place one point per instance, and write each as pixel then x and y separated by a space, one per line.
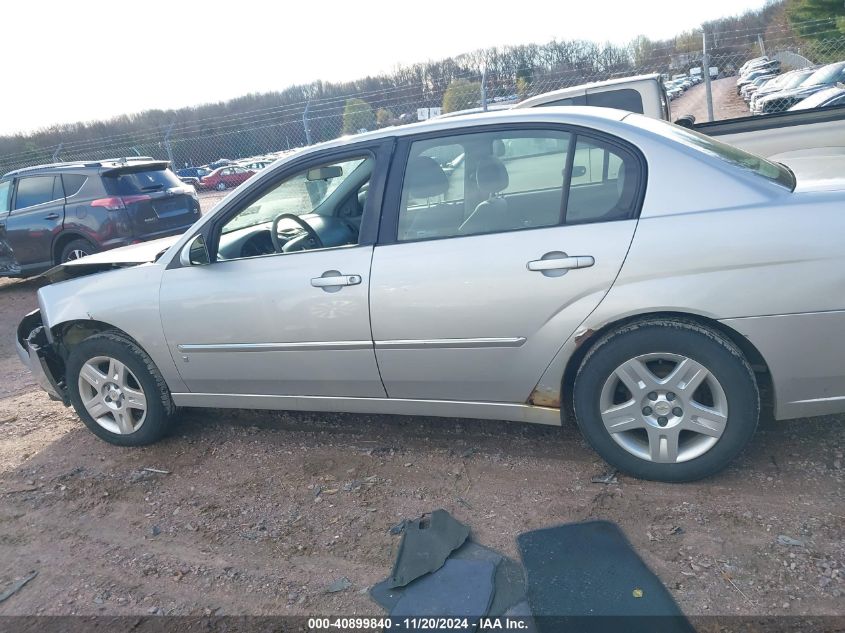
pixel 72 249
pixel 160 408
pixel 714 351
pixel 220 186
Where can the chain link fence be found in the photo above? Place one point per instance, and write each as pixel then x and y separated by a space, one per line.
pixel 305 115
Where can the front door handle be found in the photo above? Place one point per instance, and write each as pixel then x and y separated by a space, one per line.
pixel 52 216
pixel 333 279
pixel 561 262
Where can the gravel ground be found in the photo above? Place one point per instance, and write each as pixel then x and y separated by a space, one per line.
pixel 259 512
pixel 726 103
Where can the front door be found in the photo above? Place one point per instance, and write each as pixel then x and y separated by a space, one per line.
pixel 282 308
pixel 504 242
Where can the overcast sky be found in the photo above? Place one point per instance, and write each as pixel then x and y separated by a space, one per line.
pixel 78 61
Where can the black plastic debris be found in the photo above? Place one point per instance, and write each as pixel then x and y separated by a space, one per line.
pixel 509 580
pixel 580 571
pixel 425 546
pixel 459 589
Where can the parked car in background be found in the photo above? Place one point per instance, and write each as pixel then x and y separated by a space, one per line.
pixel 824 77
pixel 311 289
pixel 748 90
pixel 224 178
pixel 220 162
pixel 751 76
pixel 829 97
pixel 785 81
pixel 645 94
pixel 192 175
pixel 51 214
pixel 256 164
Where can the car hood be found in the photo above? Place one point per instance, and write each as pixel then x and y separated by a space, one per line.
pixel 132 255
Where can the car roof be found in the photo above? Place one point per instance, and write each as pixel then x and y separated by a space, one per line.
pixel 91 165
pixel 564 92
pixel 574 115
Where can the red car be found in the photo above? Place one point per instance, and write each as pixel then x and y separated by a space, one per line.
pixel 224 177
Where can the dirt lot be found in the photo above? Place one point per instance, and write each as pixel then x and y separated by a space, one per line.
pixel 259 512
pixel 726 103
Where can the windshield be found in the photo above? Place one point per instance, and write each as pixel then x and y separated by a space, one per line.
pixel 826 74
pixel 763 168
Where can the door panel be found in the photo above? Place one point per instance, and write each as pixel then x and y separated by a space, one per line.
pixel 427 319
pixel 31 229
pixel 262 326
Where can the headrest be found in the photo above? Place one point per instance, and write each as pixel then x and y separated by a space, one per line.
pixel 425 178
pixel 491 175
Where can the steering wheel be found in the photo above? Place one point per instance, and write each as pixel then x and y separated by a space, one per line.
pixel 309 230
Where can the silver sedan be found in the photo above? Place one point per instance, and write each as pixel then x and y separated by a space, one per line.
pixel 657 286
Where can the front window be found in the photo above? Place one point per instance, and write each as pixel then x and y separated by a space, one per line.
pixel 319 207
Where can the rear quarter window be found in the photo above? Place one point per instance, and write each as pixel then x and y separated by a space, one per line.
pixel 73 183
pixel 625 99
pixel 135 182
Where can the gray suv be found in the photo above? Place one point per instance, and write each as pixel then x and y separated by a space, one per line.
pixel 51 214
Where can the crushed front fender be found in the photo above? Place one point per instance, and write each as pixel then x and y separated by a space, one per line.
pixel 40 355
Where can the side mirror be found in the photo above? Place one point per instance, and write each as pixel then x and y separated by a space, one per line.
pixel 688 120
pixel 195 253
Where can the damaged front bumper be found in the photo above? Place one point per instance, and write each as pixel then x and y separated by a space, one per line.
pixel 38 353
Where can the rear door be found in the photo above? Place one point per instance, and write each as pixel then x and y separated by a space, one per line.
pixel 495 245
pixel 156 201
pixel 36 217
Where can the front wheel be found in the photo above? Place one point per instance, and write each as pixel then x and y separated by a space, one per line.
pixel 666 400
pixel 117 390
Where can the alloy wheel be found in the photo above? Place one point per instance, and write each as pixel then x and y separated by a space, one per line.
pixel 76 253
pixel 112 395
pixel 664 408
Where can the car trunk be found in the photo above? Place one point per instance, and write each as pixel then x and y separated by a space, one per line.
pixel 155 200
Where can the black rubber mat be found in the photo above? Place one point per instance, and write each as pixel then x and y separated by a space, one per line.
pixel 509 581
pixel 587 577
pixel 425 546
pixel 459 589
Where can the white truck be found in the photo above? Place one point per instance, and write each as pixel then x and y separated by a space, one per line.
pixel 772 135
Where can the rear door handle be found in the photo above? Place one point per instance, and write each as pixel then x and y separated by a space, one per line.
pixel 564 262
pixel 332 278
pixel 52 216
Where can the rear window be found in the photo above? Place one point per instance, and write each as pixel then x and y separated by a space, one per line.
pixel 135 182
pixel 758 165
pixel 625 99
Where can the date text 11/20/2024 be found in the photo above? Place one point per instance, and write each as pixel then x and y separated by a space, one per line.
pixel 418 624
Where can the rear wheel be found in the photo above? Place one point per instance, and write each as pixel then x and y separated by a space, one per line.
pixel 221 186
pixel 76 249
pixel 117 391
pixel 666 400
